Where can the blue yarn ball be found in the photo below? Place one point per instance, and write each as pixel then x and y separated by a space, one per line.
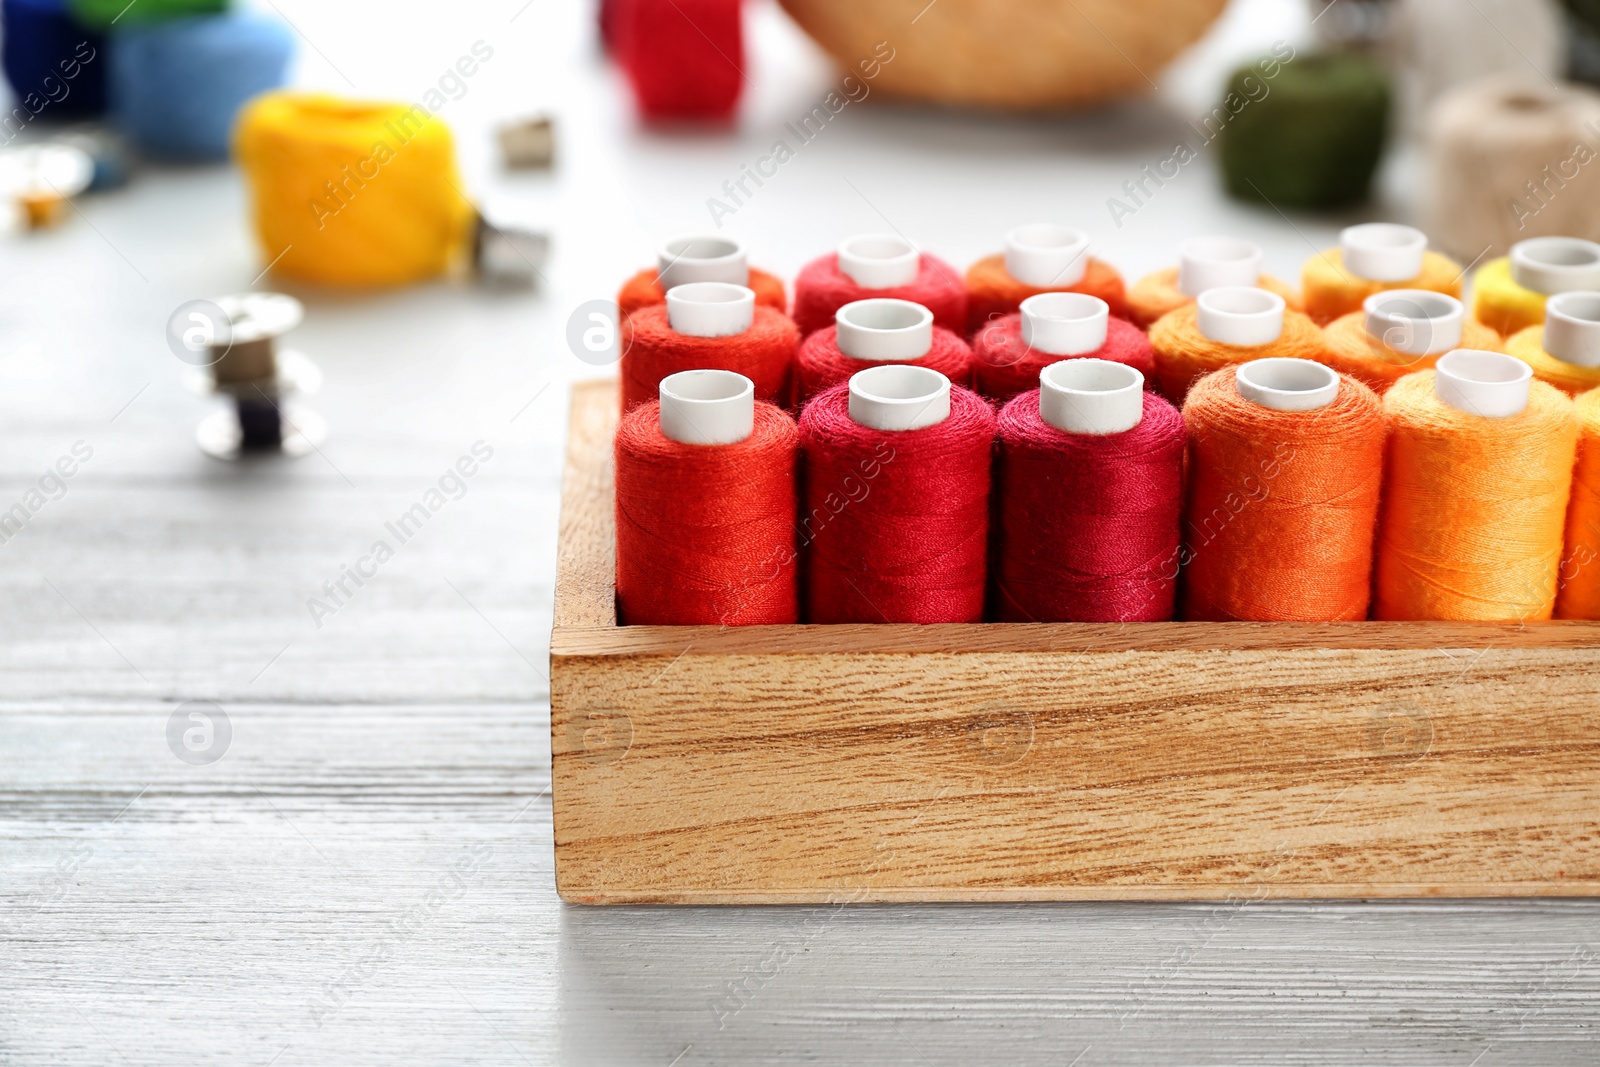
pixel 177 86
pixel 41 48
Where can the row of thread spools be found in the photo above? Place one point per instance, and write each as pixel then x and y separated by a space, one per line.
pixel 1034 441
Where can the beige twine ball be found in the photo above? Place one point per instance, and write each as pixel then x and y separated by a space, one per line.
pixel 1022 54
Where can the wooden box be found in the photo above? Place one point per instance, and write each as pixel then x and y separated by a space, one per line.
pixel 1055 762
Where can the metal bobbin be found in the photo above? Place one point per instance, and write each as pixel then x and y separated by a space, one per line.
pixel 245 364
pixel 510 245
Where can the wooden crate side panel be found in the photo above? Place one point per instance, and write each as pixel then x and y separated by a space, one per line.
pixel 990 776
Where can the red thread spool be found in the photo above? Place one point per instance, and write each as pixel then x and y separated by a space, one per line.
pixel 878 265
pixel 897 520
pixel 684 58
pixel 1039 259
pixel 1090 488
pixel 878 332
pixel 1010 352
pixel 693 257
pixel 706 507
pixel 1283 494
pixel 757 342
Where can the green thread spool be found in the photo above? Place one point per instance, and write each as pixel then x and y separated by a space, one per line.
pixel 1313 138
pixel 102 13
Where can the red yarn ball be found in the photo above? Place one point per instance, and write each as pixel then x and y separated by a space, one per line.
pixel 897 523
pixel 652 349
pixel 822 289
pixel 706 533
pixel 1088 523
pixel 1003 366
pixel 819 363
pixel 684 58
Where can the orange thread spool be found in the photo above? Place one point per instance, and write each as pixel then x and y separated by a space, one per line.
pixel 644 290
pixel 1474 507
pixel 1282 504
pixel 992 291
pixel 1330 291
pixel 1184 355
pixel 1352 350
pixel 1579 596
pixel 1571 378
pixel 652 349
pixel 1156 294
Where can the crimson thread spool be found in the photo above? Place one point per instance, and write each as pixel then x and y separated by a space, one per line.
pixel 1203 263
pixel 1399 332
pixel 1226 327
pixel 1009 353
pixel 705 507
pixel 684 58
pixel 1039 258
pixel 878 265
pixel 1285 464
pixel 867 333
pixel 699 258
pixel 1476 482
pixel 707 326
pixel 1089 481
pixel 896 512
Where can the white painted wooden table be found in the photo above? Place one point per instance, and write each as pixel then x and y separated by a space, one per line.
pixel 364 876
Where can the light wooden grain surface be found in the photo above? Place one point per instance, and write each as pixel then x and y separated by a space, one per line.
pixel 365 876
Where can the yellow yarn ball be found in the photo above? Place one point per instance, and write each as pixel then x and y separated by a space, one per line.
pixel 351 192
pixel 1571 378
pixel 1328 291
pixel 1500 303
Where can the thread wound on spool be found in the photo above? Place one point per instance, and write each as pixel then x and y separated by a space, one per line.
pixel 1004 366
pixel 1183 355
pixel 683 58
pixel 1474 507
pixel 1507 160
pixel 819 365
pixel 644 289
pixel 706 533
pixel 1314 141
pixel 1500 303
pixel 1282 505
pixel 177 87
pixel 53 64
pixel 652 349
pixel 1329 291
pixel 1579 575
pixel 991 291
pixel 897 522
pixel 102 13
pixel 1350 349
pixel 1156 294
pixel 398 216
pixel 1571 378
pixel 1088 525
pixel 821 289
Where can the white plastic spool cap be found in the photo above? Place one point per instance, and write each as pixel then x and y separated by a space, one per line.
pixel 1093 396
pixel 45 170
pixel 710 309
pixel 1418 322
pixel 884 330
pixel 701 258
pixel 1553 265
pixel 1215 262
pixel 897 397
pixel 1284 384
pixel 1383 251
pixel 1490 384
pixel 1065 324
pixel 1046 255
pixel 1241 316
pixel 1572 328
pixel 707 407
pixel 879 260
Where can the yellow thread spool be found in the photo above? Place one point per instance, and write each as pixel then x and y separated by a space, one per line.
pixel 1500 303
pixel 352 193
